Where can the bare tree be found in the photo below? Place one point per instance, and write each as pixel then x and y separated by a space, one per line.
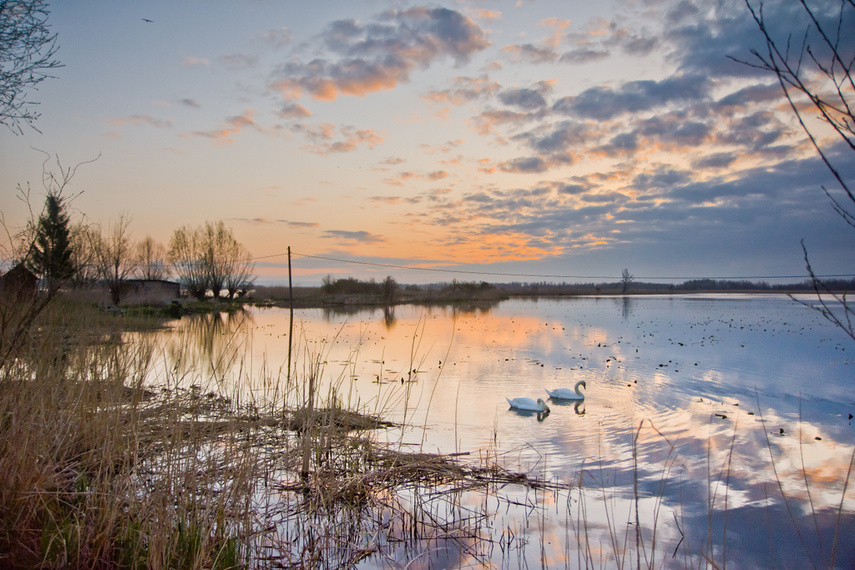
pixel 219 249
pixel 151 259
pixel 390 289
pixel 83 255
pixel 27 56
pixel 209 258
pixel 814 70
pixel 239 278
pixel 186 257
pixel 626 279
pixel 115 257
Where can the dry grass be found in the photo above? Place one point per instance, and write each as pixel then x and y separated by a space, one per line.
pixel 99 471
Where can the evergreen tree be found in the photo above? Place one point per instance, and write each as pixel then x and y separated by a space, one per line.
pixel 50 256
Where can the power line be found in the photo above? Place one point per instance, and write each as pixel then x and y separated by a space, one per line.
pixel 543 275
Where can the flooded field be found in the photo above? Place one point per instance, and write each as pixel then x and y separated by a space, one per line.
pixel 715 430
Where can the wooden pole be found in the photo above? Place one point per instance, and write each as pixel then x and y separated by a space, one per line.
pixel 309 410
pixel 291 303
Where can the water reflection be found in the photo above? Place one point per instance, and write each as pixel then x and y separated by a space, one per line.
pixel 211 342
pixel 626 306
pixel 681 422
pixel 578 405
pixel 335 313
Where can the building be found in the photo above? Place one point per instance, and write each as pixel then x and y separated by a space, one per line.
pixel 146 291
pixel 18 284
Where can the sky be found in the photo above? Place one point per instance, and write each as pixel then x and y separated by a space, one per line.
pixel 530 140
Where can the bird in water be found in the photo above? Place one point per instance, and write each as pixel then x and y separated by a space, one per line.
pixel 528 404
pixel 568 394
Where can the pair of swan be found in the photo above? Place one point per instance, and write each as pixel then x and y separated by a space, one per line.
pixel 531 405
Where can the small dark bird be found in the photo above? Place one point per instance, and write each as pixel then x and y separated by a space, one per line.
pixel 147 20
pixel 781 431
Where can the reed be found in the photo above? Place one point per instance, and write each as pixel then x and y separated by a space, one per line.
pixel 119 453
pixel 101 466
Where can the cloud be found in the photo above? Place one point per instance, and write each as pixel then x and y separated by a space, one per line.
pixel 141 120
pixel 756 131
pixel 299 225
pixel 528 99
pixel 715 161
pixel 366 58
pixel 191 61
pixel 681 12
pixel 464 90
pixel 643 212
pixel 484 14
pixel 531 53
pixel 560 138
pixel 293 111
pixel 388 200
pixel 706 43
pixel 662 177
pixel 584 55
pixel 443 148
pixel 234 126
pixel 393 161
pixel 278 37
pixel 252 221
pixel 571 189
pixel 687 154
pixel 622 144
pixel 593 43
pixel 743 98
pixel 267 221
pixel 324 140
pixel 238 61
pixel 486 122
pixel 605 198
pixel 401 177
pixel 603 103
pixel 357 236
pixel 546 51
pixel 525 165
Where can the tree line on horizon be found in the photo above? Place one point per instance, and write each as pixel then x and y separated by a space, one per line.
pixel 205 260
pixel 686 286
pixel 389 288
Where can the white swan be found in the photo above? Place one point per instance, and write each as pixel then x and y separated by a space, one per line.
pixel 528 405
pixel 568 394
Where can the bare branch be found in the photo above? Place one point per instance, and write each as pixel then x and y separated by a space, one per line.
pixel 27 57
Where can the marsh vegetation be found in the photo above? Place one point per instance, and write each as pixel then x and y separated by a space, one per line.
pixel 385 442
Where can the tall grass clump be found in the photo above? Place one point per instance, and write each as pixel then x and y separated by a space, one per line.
pixel 76 435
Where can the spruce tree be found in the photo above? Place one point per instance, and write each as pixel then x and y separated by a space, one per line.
pixel 50 256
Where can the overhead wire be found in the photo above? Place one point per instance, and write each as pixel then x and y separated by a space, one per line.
pixel 543 275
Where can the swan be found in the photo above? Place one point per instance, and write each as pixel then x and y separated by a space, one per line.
pixel 568 394
pixel 528 405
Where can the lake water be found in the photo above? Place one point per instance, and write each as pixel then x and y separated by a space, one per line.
pixel 719 424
